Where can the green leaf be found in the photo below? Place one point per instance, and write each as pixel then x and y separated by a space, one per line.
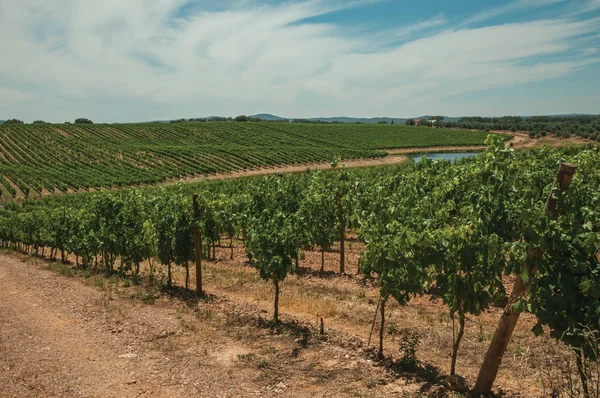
pixel 520 306
pixel 525 275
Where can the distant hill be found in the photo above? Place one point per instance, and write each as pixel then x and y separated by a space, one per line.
pixel 268 116
pixel 352 120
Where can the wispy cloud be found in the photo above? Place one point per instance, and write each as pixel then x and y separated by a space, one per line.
pixel 433 22
pixel 507 8
pixel 585 6
pixel 142 59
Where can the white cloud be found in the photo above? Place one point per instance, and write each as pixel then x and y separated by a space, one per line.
pixel 130 59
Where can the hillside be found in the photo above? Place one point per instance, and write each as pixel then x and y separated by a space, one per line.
pixel 269 117
pixel 46 159
pixel 426 237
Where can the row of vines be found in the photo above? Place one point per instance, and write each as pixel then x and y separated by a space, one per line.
pixel 42 159
pixel 458 228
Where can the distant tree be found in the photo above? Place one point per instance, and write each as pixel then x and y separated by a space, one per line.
pixel 83 120
pixel 242 118
pixel 14 121
pixel 199 119
pixel 382 122
pixel 410 122
pixel 392 121
pixel 218 119
pixel 178 121
pixel 256 119
pixel 39 122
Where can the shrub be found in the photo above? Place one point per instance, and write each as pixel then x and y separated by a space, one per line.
pixel 82 120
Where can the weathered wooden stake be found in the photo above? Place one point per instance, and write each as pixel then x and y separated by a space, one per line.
pixel 373 324
pixel 198 248
pixel 509 318
pixel 276 304
pixel 342 223
pixel 382 328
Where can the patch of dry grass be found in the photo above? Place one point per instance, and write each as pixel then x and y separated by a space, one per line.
pixel 348 304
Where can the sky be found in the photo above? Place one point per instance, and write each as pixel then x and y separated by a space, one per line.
pixel 142 60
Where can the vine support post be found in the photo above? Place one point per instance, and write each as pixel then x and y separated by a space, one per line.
pixel 276 303
pixel 197 248
pixel 508 320
pixel 457 340
pixel 342 224
pixel 382 328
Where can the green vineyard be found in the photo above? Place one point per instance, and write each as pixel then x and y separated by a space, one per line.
pixel 453 231
pixel 41 159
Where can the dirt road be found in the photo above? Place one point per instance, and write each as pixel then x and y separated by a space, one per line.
pixel 61 338
pixel 77 337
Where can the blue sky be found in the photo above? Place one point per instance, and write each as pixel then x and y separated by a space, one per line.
pixel 138 60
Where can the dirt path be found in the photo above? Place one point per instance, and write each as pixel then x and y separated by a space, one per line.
pixel 98 337
pixel 299 168
pixel 76 337
pixel 61 338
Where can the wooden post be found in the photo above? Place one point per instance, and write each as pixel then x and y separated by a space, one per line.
pixel 342 223
pixel 381 329
pixel 198 248
pixel 276 303
pixel 509 318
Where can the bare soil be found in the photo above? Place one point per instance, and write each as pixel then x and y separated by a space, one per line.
pixel 299 168
pixel 93 336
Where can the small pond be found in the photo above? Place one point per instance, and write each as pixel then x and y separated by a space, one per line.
pixel 445 156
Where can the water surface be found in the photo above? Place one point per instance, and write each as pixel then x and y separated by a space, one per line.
pixel 445 156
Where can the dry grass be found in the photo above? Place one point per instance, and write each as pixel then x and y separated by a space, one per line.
pixel 347 305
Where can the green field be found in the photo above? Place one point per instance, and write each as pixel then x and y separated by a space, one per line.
pixel 51 158
pixel 450 232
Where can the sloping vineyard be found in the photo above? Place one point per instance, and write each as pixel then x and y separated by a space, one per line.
pixel 41 159
pixel 457 228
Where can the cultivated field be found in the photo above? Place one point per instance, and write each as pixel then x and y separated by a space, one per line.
pixel 381 282
pixel 42 159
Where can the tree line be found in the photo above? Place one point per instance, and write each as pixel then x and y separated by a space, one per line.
pixel 584 126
